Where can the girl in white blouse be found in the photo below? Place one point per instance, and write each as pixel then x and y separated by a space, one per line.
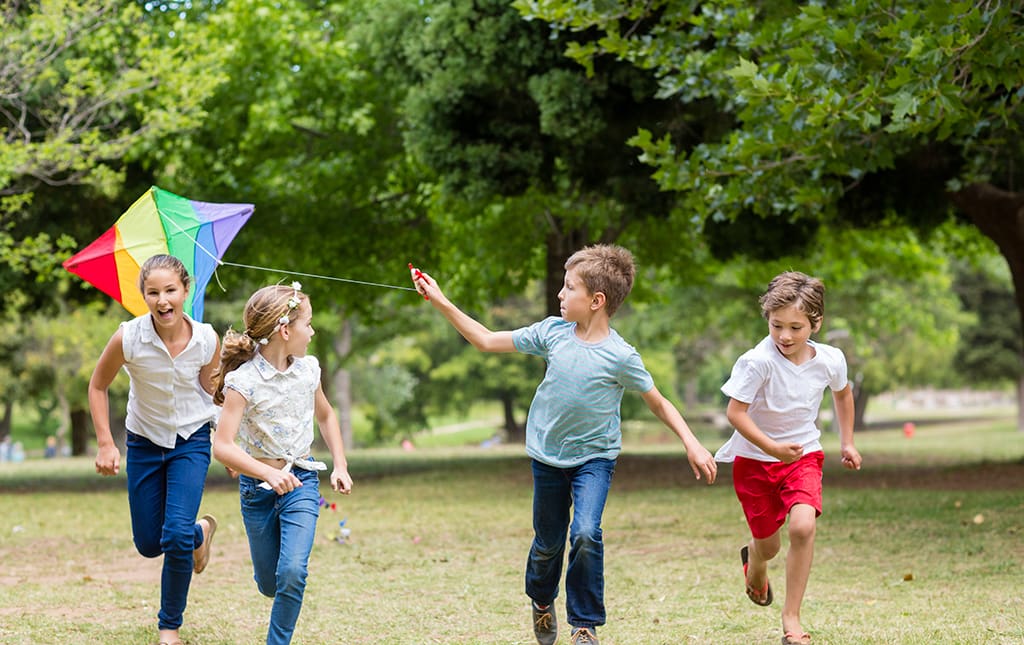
pixel 271 393
pixel 170 360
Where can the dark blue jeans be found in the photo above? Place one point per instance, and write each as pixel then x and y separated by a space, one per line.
pixel 555 490
pixel 165 487
pixel 281 529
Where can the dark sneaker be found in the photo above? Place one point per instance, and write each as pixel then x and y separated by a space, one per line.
pixel 584 636
pixel 545 625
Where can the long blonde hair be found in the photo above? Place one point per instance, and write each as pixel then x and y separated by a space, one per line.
pixel 265 313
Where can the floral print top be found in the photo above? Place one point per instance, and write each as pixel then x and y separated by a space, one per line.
pixel 278 419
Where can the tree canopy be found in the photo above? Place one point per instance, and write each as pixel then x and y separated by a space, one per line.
pixel 856 112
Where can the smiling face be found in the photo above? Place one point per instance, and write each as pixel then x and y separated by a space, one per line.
pixel 790 329
pixel 165 295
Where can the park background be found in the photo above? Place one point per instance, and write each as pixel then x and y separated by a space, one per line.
pixel 872 145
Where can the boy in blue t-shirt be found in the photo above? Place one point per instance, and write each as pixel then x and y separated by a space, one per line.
pixel 573 430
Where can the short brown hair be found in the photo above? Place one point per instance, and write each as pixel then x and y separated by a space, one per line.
pixel 606 268
pixel 795 288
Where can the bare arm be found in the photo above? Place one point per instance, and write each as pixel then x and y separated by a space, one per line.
pixel 843 400
pixel 478 335
pixel 739 417
pixel 227 452
pixel 108 457
pixel 206 371
pixel 326 418
pixel 701 461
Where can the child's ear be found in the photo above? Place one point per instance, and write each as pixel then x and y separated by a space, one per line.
pixel 597 301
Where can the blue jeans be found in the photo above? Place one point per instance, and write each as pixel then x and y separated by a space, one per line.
pixel 555 490
pixel 165 487
pixel 281 531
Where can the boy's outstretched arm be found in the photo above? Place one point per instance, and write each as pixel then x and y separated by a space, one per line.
pixel 701 461
pixel 479 336
pixel 843 400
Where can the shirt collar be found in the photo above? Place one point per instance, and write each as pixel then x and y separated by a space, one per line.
pixel 266 369
pixel 149 334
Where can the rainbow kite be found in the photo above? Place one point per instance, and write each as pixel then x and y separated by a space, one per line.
pixel 197 233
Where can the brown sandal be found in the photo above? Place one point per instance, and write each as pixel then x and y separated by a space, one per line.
pixel 792 638
pixel 761 597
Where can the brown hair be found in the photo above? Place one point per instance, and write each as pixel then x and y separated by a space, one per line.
pixel 606 268
pixel 795 288
pixel 262 317
pixel 163 261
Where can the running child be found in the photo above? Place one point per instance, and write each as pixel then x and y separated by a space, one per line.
pixel 170 360
pixel 775 391
pixel 573 432
pixel 271 394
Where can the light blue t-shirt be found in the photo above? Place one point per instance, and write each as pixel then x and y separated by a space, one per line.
pixel 574 416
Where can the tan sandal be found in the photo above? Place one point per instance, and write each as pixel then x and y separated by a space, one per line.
pixel 201 556
pixel 792 638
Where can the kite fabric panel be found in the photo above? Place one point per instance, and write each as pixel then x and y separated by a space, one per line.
pixel 160 222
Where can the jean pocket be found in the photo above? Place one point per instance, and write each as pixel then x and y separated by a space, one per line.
pixel 247 487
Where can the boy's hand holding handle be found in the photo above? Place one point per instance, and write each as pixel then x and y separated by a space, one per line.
pixel 417 277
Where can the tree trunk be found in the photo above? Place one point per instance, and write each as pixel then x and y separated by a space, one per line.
pixel 1020 404
pixel 514 432
pixel 560 245
pixel 860 404
pixel 6 420
pixel 342 383
pixel 999 215
pixel 80 432
pixel 64 420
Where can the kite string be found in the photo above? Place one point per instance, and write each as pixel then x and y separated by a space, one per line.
pixel 313 275
pixel 259 268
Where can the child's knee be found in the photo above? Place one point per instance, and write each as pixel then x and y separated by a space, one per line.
pixel 586 536
pixel 291 576
pixel 148 548
pixel 802 529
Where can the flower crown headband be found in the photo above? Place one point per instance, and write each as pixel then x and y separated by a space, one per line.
pixel 293 302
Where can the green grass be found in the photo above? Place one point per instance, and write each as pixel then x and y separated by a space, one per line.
pixel 923 546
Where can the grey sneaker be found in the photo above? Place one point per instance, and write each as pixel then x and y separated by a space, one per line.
pixel 545 625
pixel 584 636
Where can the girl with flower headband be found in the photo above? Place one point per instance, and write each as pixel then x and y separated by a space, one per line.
pixel 271 393
pixel 170 359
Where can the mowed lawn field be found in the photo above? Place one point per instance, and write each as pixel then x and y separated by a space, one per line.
pixel 924 545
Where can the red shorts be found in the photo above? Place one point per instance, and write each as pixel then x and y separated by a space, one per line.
pixel 767 490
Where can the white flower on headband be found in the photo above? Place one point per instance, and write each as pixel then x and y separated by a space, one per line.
pixel 283 320
pixel 293 302
pixel 264 341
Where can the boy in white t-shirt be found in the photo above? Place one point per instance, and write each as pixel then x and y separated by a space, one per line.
pixel 775 392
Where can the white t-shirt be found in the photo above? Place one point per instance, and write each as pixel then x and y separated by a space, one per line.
pixel 279 406
pixel 784 398
pixel 165 399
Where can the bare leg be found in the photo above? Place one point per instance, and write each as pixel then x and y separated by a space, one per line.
pixel 761 551
pixel 170 636
pixel 802 526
